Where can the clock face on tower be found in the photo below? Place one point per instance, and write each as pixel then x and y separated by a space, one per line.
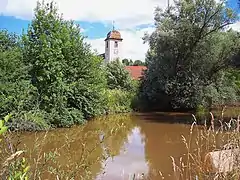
pixel 115 51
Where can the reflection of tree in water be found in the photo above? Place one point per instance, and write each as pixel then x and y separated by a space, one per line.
pixel 162 140
pixel 115 129
pixel 75 147
pixel 80 146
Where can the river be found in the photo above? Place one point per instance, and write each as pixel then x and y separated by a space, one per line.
pixel 112 147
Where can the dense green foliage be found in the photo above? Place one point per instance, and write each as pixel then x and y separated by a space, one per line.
pixel 15 88
pixel 122 89
pixel 118 77
pixel 190 52
pixel 68 77
pixel 119 101
pixel 50 77
pixel 17 95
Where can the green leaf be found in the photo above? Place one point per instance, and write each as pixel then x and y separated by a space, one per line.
pixel 3 130
pixel 1 123
pixel 6 118
pixel 26 169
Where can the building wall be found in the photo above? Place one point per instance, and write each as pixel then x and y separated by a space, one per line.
pixel 109 51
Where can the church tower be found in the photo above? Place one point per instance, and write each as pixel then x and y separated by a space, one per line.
pixel 113 46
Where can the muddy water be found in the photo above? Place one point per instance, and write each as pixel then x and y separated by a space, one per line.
pixel 112 147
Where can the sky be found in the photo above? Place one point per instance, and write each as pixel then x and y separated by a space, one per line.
pixel 132 18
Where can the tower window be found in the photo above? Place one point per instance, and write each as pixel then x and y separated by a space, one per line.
pixel 106 44
pixel 115 44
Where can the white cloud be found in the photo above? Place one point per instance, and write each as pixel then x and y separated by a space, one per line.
pixel 133 46
pixel 3 4
pixel 126 13
pixel 236 26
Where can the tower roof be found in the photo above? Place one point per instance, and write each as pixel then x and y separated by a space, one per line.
pixel 114 34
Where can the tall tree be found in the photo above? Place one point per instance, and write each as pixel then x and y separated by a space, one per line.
pixel 189 47
pixel 68 77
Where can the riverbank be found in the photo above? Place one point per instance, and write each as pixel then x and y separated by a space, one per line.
pixel 121 103
pixel 114 101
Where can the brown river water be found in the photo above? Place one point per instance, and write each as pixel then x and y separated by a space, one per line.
pixel 112 147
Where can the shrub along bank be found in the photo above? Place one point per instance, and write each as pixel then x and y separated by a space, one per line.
pixel 50 77
pixel 121 91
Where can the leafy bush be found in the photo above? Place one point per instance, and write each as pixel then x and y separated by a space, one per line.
pixel 65 117
pixel 17 95
pixel 16 91
pixel 33 120
pixel 118 77
pixel 222 91
pixel 118 101
pixel 122 89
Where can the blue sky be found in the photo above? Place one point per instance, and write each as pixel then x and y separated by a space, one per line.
pixel 133 18
pixel 92 30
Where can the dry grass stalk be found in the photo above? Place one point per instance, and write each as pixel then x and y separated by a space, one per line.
pixel 224 139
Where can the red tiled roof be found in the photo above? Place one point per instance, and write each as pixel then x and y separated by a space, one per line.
pixel 135 71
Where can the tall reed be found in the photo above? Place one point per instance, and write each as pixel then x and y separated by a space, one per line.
pixel 201 151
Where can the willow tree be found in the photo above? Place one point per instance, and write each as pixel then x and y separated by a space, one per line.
pixel 188 49
pixel 67 75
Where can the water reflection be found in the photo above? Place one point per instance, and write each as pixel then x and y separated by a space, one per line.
pixel 130 160
pixel 82 154
pixel 163 141
pixel 132 143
